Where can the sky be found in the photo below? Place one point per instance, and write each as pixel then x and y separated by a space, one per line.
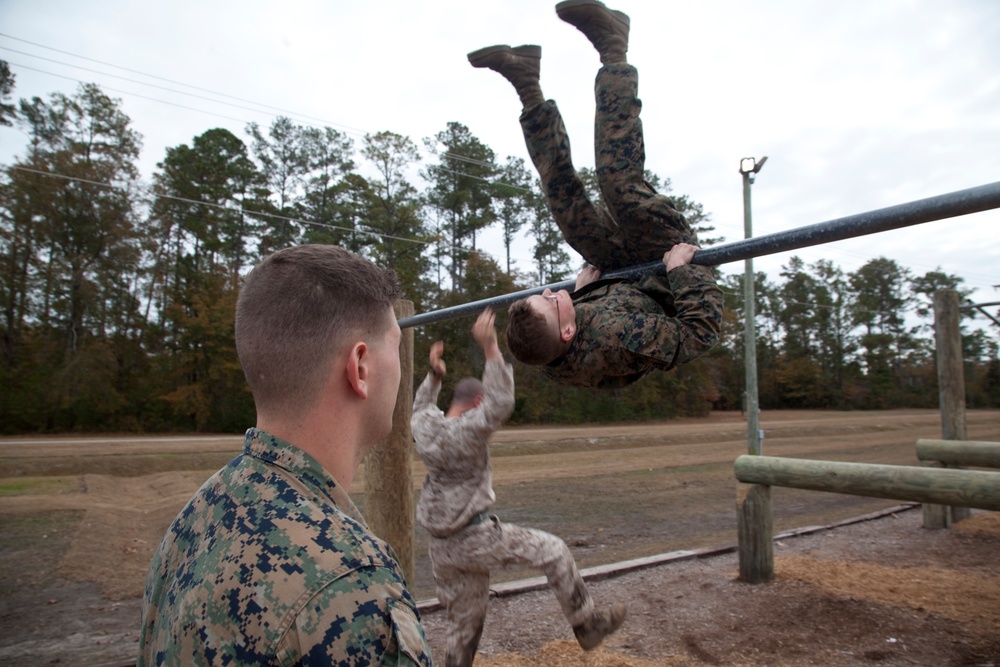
pixel 857 105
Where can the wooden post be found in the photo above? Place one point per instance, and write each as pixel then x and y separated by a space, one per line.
pixel 951 393
pixel 389 507
pixel 755 528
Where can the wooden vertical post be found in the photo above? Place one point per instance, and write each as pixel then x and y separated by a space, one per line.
pixel 389 506
pixel 754 526
pixel 951 393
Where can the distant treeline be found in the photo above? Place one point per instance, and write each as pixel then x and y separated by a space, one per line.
pixel 118 295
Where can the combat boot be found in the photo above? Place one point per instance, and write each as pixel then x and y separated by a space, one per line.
pixel 607 29
pixel 521 65
pixel 604 622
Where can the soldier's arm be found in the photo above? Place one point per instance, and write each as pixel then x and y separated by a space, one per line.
pixel 427 393
pixel 498 378
pixel 694 330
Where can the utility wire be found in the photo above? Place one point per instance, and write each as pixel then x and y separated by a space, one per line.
pixel 128 92
pixel 153 76
pixel 230 210
pixel 347 128
pixel 347 229
pixel 241 120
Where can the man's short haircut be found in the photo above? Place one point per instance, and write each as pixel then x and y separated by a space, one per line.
pixel 466 390
pixel 297 309
pixel 529 337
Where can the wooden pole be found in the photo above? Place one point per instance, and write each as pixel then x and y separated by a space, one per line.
pixel 389 506
pixel 945 486
pixel 754 525
pixel 951 392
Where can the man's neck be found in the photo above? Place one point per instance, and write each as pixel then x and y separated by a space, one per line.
pixel 335 449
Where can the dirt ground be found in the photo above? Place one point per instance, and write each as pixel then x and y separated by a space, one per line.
pixel 79 520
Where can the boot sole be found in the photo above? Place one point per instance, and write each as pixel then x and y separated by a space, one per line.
pixel 615 14
pixel 526 50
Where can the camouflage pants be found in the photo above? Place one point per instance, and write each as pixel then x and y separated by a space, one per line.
pixel 642 224
pixel 462 564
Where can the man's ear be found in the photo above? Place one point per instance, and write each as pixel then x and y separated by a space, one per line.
pixel 567 332
pixel 477 400
pixel 357 369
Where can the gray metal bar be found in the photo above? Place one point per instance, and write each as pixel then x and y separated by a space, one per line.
pixel 995 320
pixel 960 202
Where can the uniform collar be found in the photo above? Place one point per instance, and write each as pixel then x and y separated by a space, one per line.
pixel 271 449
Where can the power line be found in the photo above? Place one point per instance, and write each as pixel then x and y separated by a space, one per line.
pixel 240 120
pixel 128 92
pixel 347 128
pixel 347 229
pixel 224 208
pixel 154 76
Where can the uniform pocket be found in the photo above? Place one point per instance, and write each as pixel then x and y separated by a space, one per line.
pixel 408 635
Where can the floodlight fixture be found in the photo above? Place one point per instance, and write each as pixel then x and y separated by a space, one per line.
pixel 749 165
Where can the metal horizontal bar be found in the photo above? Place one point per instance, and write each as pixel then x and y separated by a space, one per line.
pixel 960 202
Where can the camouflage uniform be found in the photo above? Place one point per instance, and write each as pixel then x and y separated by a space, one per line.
pixel 466 542
pixel 271 563
pixel 626 328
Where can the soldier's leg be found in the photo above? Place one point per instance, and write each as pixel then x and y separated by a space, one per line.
pixel 537 549
pixel 588 228
pixel 464 591
pixel 494 544
pixel 648 220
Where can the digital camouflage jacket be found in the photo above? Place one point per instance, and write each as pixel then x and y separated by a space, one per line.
pixel 625 329
pixel 271 563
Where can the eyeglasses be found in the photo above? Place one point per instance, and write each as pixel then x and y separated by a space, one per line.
pixel 555 302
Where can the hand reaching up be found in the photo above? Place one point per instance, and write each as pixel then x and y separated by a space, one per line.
pixel 437 363
pixel 485 334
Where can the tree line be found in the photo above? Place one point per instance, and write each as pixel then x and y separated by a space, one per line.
pixel 118 295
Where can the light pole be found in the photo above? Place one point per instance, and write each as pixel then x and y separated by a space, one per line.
pixel 748 167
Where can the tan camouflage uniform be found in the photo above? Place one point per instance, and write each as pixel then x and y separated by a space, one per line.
pixel 271 563
pixel 626 328
pixel 466 542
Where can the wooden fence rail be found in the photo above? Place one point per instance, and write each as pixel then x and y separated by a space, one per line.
pixel 946 486
pixel 976 454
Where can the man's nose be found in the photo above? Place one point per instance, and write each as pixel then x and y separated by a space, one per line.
pixel 546 292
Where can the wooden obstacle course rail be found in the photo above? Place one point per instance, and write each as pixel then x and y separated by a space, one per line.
pixel 971 453
pixel 923 484
pixel 946 486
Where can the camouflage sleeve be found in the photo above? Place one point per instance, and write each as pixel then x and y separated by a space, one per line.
pixel 693 330
pixel 365 618
pixel 427 394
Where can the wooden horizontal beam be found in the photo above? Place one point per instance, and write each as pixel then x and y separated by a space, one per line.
pixel 977 454
pixel 942 486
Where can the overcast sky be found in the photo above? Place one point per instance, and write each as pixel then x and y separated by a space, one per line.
pixel 857 105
